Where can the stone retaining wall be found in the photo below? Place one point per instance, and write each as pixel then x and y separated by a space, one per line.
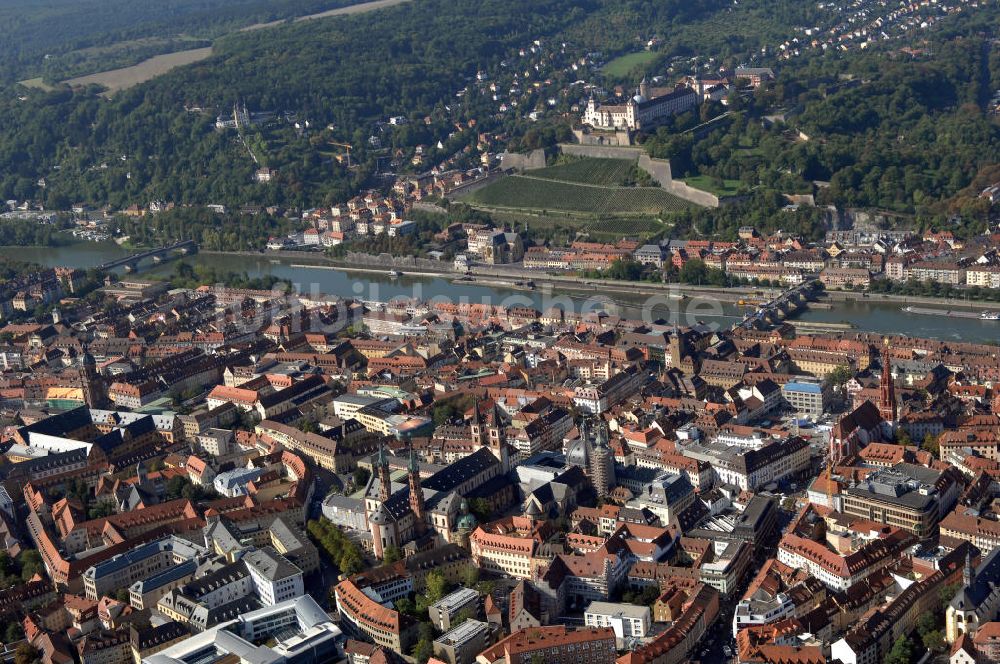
pixel 658 169
pixel 696 196
pixel 433 208
pixel 474 185
pixel 390 261
pixel 601 151
pixel 522 162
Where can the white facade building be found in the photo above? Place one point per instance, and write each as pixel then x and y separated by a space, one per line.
pixel 627 620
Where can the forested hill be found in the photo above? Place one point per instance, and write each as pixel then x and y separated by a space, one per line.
pixel 879 142
pixel 351 71
pixel 905 127
pixel 39 37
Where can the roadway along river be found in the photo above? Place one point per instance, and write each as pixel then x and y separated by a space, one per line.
pixel 864 315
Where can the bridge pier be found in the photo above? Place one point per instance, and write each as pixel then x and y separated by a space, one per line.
pixel 158 258
pixel 131 267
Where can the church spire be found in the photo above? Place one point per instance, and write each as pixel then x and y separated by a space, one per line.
pixel 496 426
pixel 412 466
pixel 476 428
pixel 382 468
pixel 416 492
pixel 602 462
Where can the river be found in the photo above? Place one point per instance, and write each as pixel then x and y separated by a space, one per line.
pixel 864 315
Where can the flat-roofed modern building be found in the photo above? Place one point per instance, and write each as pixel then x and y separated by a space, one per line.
pixel 147 592
pixel 627 620
pixel 303 632
pixel 808 398
pixel 141 563
pixel 275 579
pixel 906 496
pixel 446 609
pixel 461 644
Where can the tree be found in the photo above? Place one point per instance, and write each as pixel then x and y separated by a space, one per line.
pixel 27 654
pixel 934 640
pixel 840 375
pixel 625 270
pixel 102 509
pixel 903 651
pixel 928 627
pixel 196 493
pixel 391 554
pixel 946 594
pixel 470 577
pixel 406 605
pixel 422 652
pixel 443 413
pixel 694 272
pixel 175 487
pixel 31 564
pixel 7 566
pixel 465 614
pixel 643 597
pixel 122 595
pixel 486 587
pixel 437 585
pixel 926 622
pixel 930 443
pixel 13 632
pixel 481 509
pixel 361 476
pixel 343 552
pixel 351 562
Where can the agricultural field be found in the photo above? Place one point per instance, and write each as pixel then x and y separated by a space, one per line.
pixel 714 185
pixel 36 83
pixel 622 66
pixel 588 170
pixel 340 11
pixel 537 194
pixel 126 77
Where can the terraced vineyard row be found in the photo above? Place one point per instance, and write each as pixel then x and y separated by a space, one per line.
pixel 607 172
pixel 537 194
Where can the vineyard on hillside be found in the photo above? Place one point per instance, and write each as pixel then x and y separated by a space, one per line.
pixel 606 172
pixel 531 193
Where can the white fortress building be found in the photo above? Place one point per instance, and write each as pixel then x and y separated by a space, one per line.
pixel 648 107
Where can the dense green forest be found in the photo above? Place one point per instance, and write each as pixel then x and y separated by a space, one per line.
pixel 882 128
pixel 142 145
pixel 49 37
pixel 212 231
pixel 869 127
pixel 22 232
pixel 902 135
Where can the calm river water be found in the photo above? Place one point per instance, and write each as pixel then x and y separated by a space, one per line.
pixel 873 316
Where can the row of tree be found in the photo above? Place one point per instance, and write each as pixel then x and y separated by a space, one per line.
pixel 344 553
